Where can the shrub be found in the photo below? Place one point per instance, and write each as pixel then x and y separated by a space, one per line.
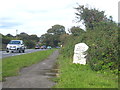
pixel 103 46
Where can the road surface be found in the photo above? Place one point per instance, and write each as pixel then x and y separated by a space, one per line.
pixel 35 76
pixel 4 54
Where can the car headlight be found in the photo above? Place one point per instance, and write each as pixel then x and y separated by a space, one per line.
pixel 7 47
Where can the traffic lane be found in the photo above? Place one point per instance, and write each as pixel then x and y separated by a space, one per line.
pixel 4 54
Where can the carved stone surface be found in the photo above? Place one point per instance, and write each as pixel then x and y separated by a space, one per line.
pixel 79 53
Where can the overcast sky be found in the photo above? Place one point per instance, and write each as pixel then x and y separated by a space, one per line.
pixel 37 16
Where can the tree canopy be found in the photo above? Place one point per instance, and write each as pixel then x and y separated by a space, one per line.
pixel 89 16
pixel 52 37
pixel 29 40
pixel 57 30
pixel 76 31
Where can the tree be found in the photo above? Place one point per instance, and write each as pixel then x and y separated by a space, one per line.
pixel 89 16
pixel 46 39
pixel 63 38
pixel 57 30
pixel 49 39
pixel 9 35
pixel 30 40
pixel 34 38
pixel 111 18
pixel 52 37
pixel 76 31
pixel 5 39
pixel 30 44
pixel 23 36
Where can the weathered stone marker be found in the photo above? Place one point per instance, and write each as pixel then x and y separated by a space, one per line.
pixel 79 53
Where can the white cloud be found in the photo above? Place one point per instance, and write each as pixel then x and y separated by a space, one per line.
pixel 37 16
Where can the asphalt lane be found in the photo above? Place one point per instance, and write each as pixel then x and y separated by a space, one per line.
pixel 4 54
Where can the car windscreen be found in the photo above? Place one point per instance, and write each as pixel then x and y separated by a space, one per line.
pixel 14 42
pixel 37 45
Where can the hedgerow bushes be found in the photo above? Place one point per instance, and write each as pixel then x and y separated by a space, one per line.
pixel 103 49
pixel 103 46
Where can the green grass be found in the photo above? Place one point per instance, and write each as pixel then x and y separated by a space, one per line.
pixel 12 65
pixel 81 76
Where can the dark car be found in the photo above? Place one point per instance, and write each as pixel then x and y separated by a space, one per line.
pixel 57 47
pixel 37 47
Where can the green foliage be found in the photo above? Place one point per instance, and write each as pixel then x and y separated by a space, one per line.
pixel 29 40
pixel 89 16
pixel 9 35
pixel 52 37
pixel 34 37
pixel 103 51
pixel 57 29
pixel 76 31
pixel 63 38
pixel 103 47
pixel 49 40
pixel 29 43
pixel 81 76
pixel 5 39
pixel 101 70
pixel 101 37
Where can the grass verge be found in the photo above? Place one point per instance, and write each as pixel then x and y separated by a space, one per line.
pixel 12 65
pixel 81 76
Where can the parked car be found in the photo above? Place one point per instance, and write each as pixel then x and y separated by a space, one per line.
pixel 49 47
pixel 57 47
pixel 43 47
pixel 15 45
pixel 37 47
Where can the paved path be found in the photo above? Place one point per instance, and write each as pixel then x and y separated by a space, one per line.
pixel 35 76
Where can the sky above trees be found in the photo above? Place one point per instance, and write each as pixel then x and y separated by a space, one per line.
pixel 37 16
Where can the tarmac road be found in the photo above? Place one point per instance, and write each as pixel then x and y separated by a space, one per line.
pixel 36 76
pixel 4 54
